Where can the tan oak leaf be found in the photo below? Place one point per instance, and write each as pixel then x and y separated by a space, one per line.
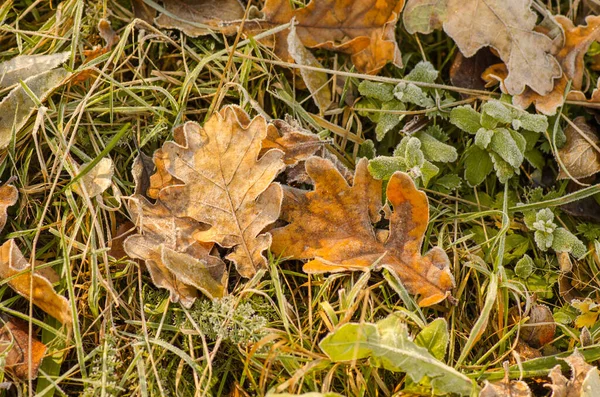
pixel 8 196
pixel 581 153
pixel 333 227
pixel 225 184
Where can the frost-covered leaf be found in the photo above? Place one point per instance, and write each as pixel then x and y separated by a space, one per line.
pixel 226 185
pixel 423 72
pixel 96 180
pixel 388 345
pixel 450 182
pixel 505 146
pixel 200 17
pixel 434 150
pixel 383 167
pixel 17 106
pixel 22 67
pixel 367 150
pixel 524 267
pixel 363 29
pixel 388 121
pixel 565 241
pixel 411 93
pixel 498 111
pixel 589 312
pixel 427 171
pixel 8 197
pixel 483 138
pixel 504 171
pixel 15 348
pixel 317 82
pixel 332 227
pixel 466 118
pixel 380 91
pixel 579 155
pixel 584 381
pixel 478 165
pixel 16 270
pixel 434 337
pixel 507 26
pixel 505 387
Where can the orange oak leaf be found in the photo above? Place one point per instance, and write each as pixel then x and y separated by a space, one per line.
pixel 15 269
pixel 333 227
pixel 577 40
pixel 174 259
pixel 14 336
pixel 364 29
pixel 8 196
pixel 226 185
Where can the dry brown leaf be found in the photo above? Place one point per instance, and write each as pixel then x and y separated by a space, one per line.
pixel 577 40
pixel 584 381
pixel 97 180
pixel 317 82
pixel 364 29
pixel 333 227
pixel 505 387
pixel 296 143
pixel 175 260
pixel 505 25
pixel 143 11
pixel 226 185
pixel 200 17
pixel 14 335
pixel 14 268
pixel 8 196
pixel 540 328
pixel 579 156
pixel 466 72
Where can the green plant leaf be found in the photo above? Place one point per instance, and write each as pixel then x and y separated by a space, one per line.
pixel 524 267
pixel 380 91
pixel 428 171
pixel 434 337
pixel 504 171
pixel 434 150
pixel 483 137
pixel 497 110
pixel 503 144
pixel 383 167
pixel 387 121
pixel 466 118
pixel 423 72
pixel 478 165
pixel 389 346
pixel 565 241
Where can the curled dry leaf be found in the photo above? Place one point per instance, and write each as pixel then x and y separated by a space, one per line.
pixel 8 196
pixel 96 180
pixel 24 66
pixel 225 185
pixel 16 270
pixel 364 29
pixel 581 153
pixel 199 17
pixel 505 387
pixel 17 106
pixel 14 335
pixel 540 328
pixel 505 25
pixel 316 81
pixel 584 381
pixel 175 260
pixel 333 227
pixel 296 143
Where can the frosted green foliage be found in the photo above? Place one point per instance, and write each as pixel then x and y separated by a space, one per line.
pixel 379 91
pixel 544 221
pixel 437 132
pixel 478 165
pixel 368 103
pixel 221 318
pixel 483 137
pixel 532 122
pixel 413 155
pixel 383 167
pixel 388 345
pixel 434 150
pixel 410 93
pixel 423 72
pixel 498 111
pixel 504 171
pixel 427 171
pixel 524 267
pixel 503 143
pixel 466 118
pixel 449 182
pixel 366 149
pixel 387 121
pixel 565 241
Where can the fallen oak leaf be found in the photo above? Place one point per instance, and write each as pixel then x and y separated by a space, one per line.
pixel 8 197
pixel 15 269
pixel 506 26
pixel 14 337
pixel 584 381
pixel 578 155
pixel 174 259
pixel 332 226
pixel 96 180
pixel 226 185
pixel 364 29
pixel 505 387
pixel 22 67
pixel 199 17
